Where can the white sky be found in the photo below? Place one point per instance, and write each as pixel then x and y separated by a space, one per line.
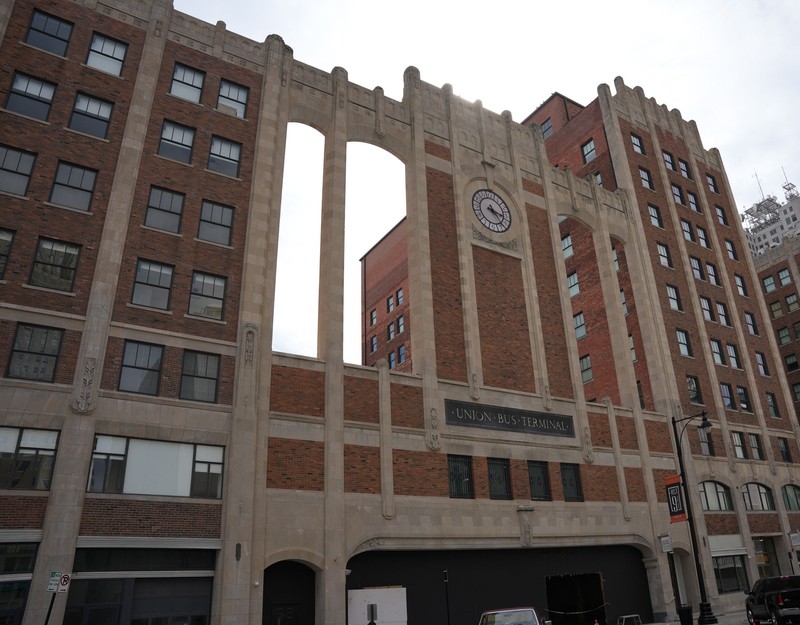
pixel 733 66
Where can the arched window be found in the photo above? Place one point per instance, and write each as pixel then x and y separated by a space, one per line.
pixel 791 497
pixel 757 497
pixel 715 496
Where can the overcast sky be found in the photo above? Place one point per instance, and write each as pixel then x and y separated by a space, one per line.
pixel 733 66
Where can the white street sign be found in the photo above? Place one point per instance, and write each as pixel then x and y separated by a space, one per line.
pixel 63 582
pixel 52 583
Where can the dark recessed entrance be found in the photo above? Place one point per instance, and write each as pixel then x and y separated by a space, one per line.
pixel 288 594
pixel 576 599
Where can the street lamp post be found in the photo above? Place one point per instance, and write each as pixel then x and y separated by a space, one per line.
pixel 707 616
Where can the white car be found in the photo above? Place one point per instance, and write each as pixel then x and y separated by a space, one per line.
pixel 512 616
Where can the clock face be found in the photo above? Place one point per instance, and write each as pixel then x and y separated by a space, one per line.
pixel 491 210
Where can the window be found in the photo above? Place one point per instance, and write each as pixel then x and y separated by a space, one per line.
pixel 640 393
pixel 740 285
pixel 776 309
pixel 598 178
pixel 727 396
pixel 208 295
pixel 744 399
pixel 141 368
pixel 684 346
pixel 722 313
pixel 769 284
pixel 152 285
pixel 705 305
pixel 49 33
pixel 399 297
pixel 459 472
pixel 373 317
pixel 713 278
pixel 580 325
pixel 791 302
pixel 199 376
pixel 684 167
pixel 712 183
pixel 706 442
pixel 755 446
pixel 91 116
pixel 669 162
pixel 176 142
pixel 30 96
pixel 586 368
pixel 731 573
pixel 27 457
pixel 216 221
pixel 623 302
pixel 677 194
pixel 655 216
pixel 692 200
pixel 106 54
pixel 674 297
pixel 772 406
pixel 571 481
pixel 646 178
pixel 702 237
pixel 15 170
pixel 693 384
pixel 786 452
pixel 757 497
pixel 401 354
pixel 54 265
pixel 722 217
pixel 761 361
pixel 663 255
pixel 566 245
pixel 401 324
pixel 35 353
pixel 784 276
pixel 733 356
pixel 187 83
pixel 615 258
pixel 783 336
pixel 499 478
pixel 688 233
pixel 373 344
pixel 73 186
pixel 750 321
pixel 392 360
pixel 796 391
pixel 164 210
pixel 588 151
pixel 539 480
pixel 225 156
pixel 638 145
pixel 716 352
pixel 233 96
pixel 149 467
pixel 791 495
pixel 547 128
pixel 739 450
pixel 572 283
pixel 632 347
pixel 6 237
pixel 390 304
pixel 715 497
pixel 731 250
pixel 390 331
pixel 697 268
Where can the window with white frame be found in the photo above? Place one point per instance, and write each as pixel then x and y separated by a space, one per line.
pixel 401 354
pixel 688 233
pixel 106 54
pixel 776 309
pixel 187 83
pixel 783 336
pixel 373 344
pixel 401 324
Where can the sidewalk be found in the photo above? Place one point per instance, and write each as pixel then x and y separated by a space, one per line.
pixel 732 618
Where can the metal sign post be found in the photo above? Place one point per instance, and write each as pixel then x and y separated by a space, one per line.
pixel 58 582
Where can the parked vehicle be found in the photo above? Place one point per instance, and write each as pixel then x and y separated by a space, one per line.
pixel 512 616
pixel 774 599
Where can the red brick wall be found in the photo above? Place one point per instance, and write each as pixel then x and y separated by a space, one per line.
pixel 297 391
pixel 634 480
pixel 764 523
pixel 420 473
pixel 599 483
pixel 163 519
pixel 22 513
pixel 438 150
pixel 659 436
pixel 600 429
pixel 721 524
pixel 407 408
pixel 626 429
pixel 362 469
pixel 360 399
pixel 295 464
pixel 520 484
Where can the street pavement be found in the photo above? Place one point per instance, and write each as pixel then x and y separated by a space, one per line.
pixel 732 618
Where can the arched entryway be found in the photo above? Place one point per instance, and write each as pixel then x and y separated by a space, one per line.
pixel 288 594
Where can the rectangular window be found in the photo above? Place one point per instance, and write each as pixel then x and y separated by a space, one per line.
pixel 731 248
pixel 693 384
pixel 566 245
pixel 149 467
pixel 390 303
pixel 733 356
pixel 547 128
pixel 141 368
pixel 572 283
pixel 401 354
pixel 586 368
pixel 712 183
pixel 373 317
pixel 27 457
pixel 15 170
pixel 208 296
pixel 702 237
pixel 30 96
pixel 693 203
pixel 750 320
pixel 730 573
pixel 164 210
pixel 776 309
pixel 401 324
pixel 688 233
pixel 580 325
pixel 6 237
pixel 176 142
pixel 199 376
pixel 706 442
pixel 91 116
pixel 684 167
pixel 722 217
pixel 588 151
pixel 106 54
pixel 54 265
pixel 459 472
pixel 761 361
pixel 632 347
pixel 598 179
pixel 392 360
pixel 73 186
pixel 499 478
pixel 755 446
pixel 234 97
pixel 739 450
pixel 49 33
pixel 716 352
pixel 638 145
pixel 674 297
pixel 225 156
pixel 697 268
pixel 722 313
pixel 373 344
pixel 216 223
pixel 727 396
pixel 663 255
pixel 740 285
pixel 646 178
pixel 684 346
pixel 187 83
pixel 677 194
pixel 539 480
pixel 772 406
pixel 713 278
pixel 784 276
pixel 399 297
pixel 791 362
pixel 791 302
pixel 783 336
pixel 571 482
pixel 744 399
pixel 786 452
pixel 669 161
pixel 623 302
pixel 615 258
pixel 705 305
pixel 35 353
pixel 152 285
pixel 390 333
pixel 655 216
pixel 769 284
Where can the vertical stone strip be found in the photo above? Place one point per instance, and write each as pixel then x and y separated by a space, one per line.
pixel 385 423
pixel 6 9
